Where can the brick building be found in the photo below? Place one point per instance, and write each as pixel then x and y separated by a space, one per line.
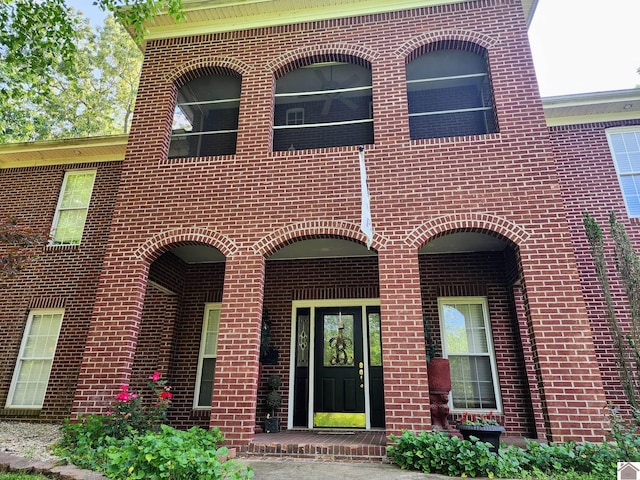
pixel 235 202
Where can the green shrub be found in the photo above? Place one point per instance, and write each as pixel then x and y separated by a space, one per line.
pixel 169 453
pixel 437 452
pixel 173 454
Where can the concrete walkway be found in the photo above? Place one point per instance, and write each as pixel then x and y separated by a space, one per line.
pixel 265 469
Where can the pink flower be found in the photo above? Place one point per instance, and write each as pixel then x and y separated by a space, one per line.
pixel 166 395
pixel 123 396
pixel 155 377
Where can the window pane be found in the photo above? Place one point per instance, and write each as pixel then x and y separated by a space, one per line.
pixel 206 382
pixel 211 333
pixel 77 193
pixel 338 340
pixel 70 226
pixel 375 342
pixel 472 382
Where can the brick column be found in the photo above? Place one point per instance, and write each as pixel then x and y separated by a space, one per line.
pixel 570 383
pixel 111 342
pixel 236 378
pixel 406 390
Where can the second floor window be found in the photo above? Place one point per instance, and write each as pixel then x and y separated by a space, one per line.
pixel 323 105
pixel 205 120
pixel 73 206
pixel 449 95
pixel 625 147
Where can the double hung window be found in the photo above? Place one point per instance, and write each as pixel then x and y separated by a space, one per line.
pixel 73 206
pixel 33 367
pixel 625 148
pixel 207 357
pixel 467 343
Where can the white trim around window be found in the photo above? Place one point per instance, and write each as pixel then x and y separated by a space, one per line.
pixel 624 143
pixel 467 343
pixel 205 375
pixel 35 359
pixel 73 206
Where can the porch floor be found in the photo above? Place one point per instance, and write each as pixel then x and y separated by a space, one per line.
pixel 328 445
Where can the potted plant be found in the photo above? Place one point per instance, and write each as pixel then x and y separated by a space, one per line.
pixel 483 427
pixel 273 401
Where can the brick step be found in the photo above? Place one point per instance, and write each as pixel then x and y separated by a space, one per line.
pixel 369 447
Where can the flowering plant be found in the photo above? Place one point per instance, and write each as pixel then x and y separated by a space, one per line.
pixel 130 412
pixel 475 420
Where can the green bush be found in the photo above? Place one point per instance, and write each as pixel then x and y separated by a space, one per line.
pixel 169 453
pixel 437 452
pixel 173 454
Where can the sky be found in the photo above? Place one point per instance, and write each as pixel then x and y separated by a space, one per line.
pixel 578 46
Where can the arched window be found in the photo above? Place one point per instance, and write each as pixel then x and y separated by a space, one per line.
pixel 205 121
pixel 449 93
pixel 323 104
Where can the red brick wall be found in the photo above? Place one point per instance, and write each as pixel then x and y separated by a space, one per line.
pixel 60 277
pixel 589 183
pixel 236 202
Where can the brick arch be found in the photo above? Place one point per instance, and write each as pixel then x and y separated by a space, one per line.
pixel 296 58
pixel 164 242
pixel 468 222
pixel 206 65
pixel 455 36
pixel 289 234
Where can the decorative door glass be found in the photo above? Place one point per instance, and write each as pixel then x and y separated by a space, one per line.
pixel 338 341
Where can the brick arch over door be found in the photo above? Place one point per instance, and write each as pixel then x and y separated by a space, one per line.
pixel 269 244
pixel 332 51
pixel 417 45
pixel 469 222
pixel 164 242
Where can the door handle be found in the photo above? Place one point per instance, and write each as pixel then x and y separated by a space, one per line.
pixel 361 372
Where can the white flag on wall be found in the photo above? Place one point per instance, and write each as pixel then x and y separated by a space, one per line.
pixel 365 224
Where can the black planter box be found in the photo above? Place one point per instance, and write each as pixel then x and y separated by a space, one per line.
pixel 484 433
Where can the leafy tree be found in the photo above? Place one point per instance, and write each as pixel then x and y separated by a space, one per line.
pixel 18 246
pixel 96 99
pixel 43 48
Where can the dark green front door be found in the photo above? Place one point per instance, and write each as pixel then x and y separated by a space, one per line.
pixel 339 368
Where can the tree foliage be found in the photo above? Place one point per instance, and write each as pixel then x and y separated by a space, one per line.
pixel 18 246
pixel 626 340
pixel 58 78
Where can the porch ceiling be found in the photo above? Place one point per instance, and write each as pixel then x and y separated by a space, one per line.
pixel 338 248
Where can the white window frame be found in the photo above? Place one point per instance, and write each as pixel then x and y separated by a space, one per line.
pixel 208 308
pixel 45 357
pixel 60 209
pixel 442 301
pixel 632 173
pixel 295 116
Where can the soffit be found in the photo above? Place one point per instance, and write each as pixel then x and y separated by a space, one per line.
pixel 58 152
pixel 592 107
pixel 211 16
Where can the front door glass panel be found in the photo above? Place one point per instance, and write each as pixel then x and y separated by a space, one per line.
pixel 338 341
